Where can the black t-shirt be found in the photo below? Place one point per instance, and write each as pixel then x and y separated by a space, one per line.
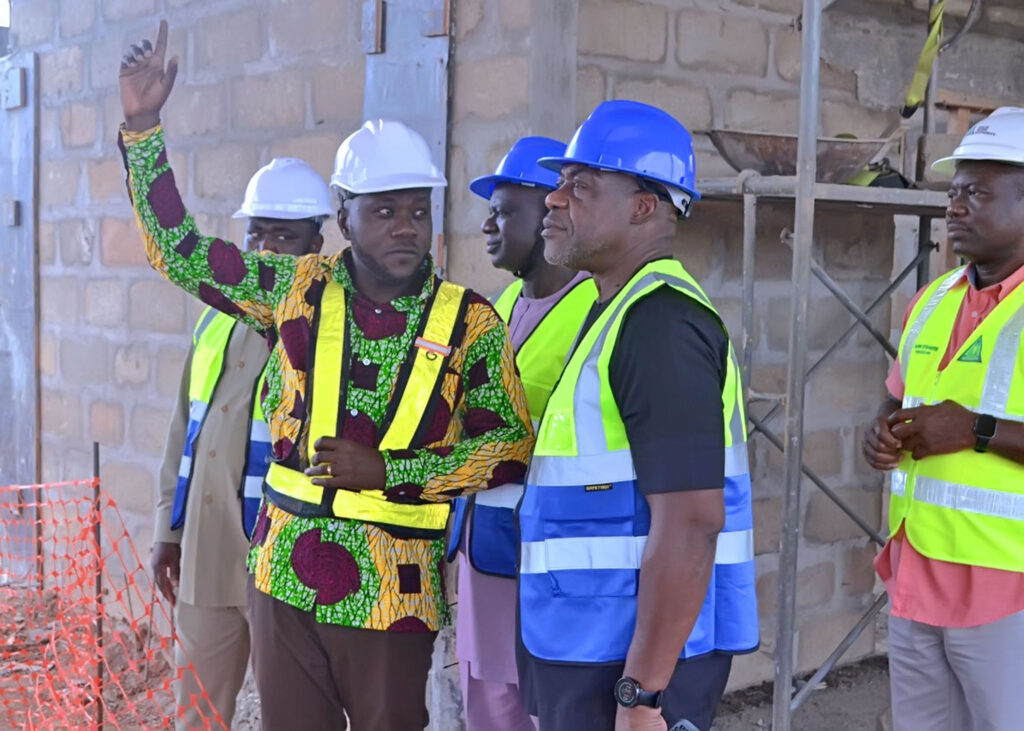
pixel 667 373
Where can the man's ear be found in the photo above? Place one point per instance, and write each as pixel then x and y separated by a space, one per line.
pixel 645 207
pixel 318 243
pixel 343 221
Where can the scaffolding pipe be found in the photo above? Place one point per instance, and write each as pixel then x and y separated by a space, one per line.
pixel 924 225
pixel 749 247
pixel 806 167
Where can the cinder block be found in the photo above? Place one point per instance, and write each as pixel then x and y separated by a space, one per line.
pixel 317 149
pixel 223 171
pixel 47 355
pixel 33 21
pixel 61 415
pixel 630 30
pixel 788 53
pixel 823 450
pixel 169 362
pixel 106 423
pixel 717 41
pixel 125 9
pixel 61 72
pixel 47 233
pixel 104 302
pixel 197 110
pixel 515 14
pixel 121 243
pixel 858 569
pixel 789 7
pixel 958 8
pixel 468 14
pixel 690 104
pixel 824 522
pixel 130 485
pixel 934 147
pixel 492 88
pixel 757 111
pixel 1005 15
pixel 77 242
pixel 78 125
pixel 76 17
pixel 249 95
pixel 132 364
pixel 338 94
pixel 243 27
pixel 767 524
pixel 59 299
pixel 818 636
pixel 589 90
pixel 300 26
pixel 815 586
pixel 58 182
pixel 106 178
pixel 155 306
pixel 853 389
pixel 105 59
pixel 855 119
pixel 49 129
pixel 84 360
pixel 149 429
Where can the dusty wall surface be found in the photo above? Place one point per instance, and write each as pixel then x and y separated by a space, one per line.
pixel 261 78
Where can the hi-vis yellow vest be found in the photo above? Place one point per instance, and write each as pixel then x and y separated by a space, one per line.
pixel 421 374
pixel 965 507
pixel 541 357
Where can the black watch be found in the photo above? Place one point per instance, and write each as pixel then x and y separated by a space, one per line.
pixel 984 430
pixel 628 694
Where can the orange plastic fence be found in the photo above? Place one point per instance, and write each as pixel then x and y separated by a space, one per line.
pixel 84 643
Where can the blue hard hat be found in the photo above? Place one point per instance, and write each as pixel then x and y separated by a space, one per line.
pixel 638 139
pixel 520 166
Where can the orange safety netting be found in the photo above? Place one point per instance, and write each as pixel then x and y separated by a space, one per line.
pixel 84 643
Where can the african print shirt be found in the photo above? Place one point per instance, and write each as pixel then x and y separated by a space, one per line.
pixel 345 571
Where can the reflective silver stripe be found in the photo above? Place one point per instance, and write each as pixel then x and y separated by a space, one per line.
pixel 204 322
pixel 736 462
pixel 915 327
pixel 259 431
pixel 253 487
pixel 735 546
pixel 197 411
pixel 587 553
pixel 995 398
pixel 910 402
pixel 969 499
pixel 185 467
pixel 617 552
pixel 898 483
pixel 505 496
pixel 587 469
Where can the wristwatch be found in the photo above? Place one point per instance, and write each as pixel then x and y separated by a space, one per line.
pixel 628 694
pixel 984 430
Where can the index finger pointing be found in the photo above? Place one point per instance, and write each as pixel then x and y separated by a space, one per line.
pixel 161 40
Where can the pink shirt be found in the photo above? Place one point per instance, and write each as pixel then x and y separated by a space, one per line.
pixel 486 627
pixel 936 592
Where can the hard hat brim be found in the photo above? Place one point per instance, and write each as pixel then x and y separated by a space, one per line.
pixel 947 165
pixel 556 163
pixel 292 213
pixel 392 183
pixel 484 186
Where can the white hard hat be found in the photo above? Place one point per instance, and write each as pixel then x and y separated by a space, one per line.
pixel 999 137
pixel 286 188
pixel 384 155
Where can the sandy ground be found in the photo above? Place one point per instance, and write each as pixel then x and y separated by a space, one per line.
pixel 856 698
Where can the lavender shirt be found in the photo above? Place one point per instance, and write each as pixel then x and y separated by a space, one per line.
pixel 486 622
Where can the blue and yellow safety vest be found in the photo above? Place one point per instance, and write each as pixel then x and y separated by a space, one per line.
pixel 493 539
pixel 209 341
pixel 584 522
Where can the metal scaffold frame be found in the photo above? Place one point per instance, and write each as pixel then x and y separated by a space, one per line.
pixel 749 188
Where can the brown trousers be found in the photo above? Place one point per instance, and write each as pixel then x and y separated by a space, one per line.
pixel 310 675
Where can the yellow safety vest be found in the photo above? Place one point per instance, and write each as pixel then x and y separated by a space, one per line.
pixel 541 357
pixel 966 507
pixel 422 373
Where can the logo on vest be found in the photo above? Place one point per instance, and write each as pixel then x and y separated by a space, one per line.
pixel 597 488
pixel 972 354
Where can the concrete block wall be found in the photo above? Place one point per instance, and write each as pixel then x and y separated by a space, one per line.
pixel 261 78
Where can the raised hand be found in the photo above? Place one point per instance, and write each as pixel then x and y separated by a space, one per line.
pixel 145 83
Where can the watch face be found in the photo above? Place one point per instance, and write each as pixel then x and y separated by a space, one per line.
pixel 625 691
